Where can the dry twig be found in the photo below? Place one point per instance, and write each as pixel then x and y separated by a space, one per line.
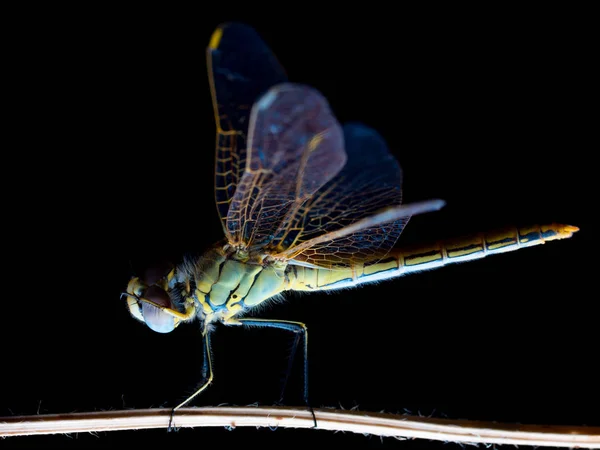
pixel 380 424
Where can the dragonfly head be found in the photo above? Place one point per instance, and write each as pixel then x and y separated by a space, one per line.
pixel 152 304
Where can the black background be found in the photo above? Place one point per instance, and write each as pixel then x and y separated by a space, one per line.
pixel 109 165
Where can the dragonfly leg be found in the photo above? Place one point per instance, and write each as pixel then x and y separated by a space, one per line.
pixel 301 332
pixel 207 376
pixel 297 338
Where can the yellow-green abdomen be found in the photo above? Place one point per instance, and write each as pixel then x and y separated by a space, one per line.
pixel 403 261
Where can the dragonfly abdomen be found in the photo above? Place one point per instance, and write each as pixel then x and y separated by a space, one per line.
pixel 426 257
pixel 480 245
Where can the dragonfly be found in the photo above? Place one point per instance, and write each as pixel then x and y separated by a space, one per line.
pixel 305 203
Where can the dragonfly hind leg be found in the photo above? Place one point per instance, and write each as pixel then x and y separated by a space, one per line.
pixel 301 333
pixel 288 371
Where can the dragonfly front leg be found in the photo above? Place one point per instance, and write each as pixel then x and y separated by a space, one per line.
pixel 301 333
pixel 207 376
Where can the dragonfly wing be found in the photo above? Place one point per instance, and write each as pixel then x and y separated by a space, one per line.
pixel 296 146
pixel 241 68
pixel 370 182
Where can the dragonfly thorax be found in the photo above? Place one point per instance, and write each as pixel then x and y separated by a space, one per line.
pixel 228 281
pixel 217 286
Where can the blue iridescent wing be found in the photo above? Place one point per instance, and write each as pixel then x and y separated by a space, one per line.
pixel 295 147
pixel 241 68
pixel 288 178
pixel 370 182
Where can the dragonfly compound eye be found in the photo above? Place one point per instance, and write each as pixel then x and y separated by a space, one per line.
pixel 156 273
pixel 155 318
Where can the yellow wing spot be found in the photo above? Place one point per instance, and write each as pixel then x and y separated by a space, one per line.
pixel 215 39
pixel 315 141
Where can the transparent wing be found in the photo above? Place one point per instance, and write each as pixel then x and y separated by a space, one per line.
pixel 279 181
pixel 369 183
pixel 240 68
pixel 296 146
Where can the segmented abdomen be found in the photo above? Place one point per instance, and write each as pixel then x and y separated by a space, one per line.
pixel 403 261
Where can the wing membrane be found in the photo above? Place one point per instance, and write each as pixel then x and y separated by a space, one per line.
pixel 289 181
pixel 241 68
pixel 369 183
pixel 295 147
